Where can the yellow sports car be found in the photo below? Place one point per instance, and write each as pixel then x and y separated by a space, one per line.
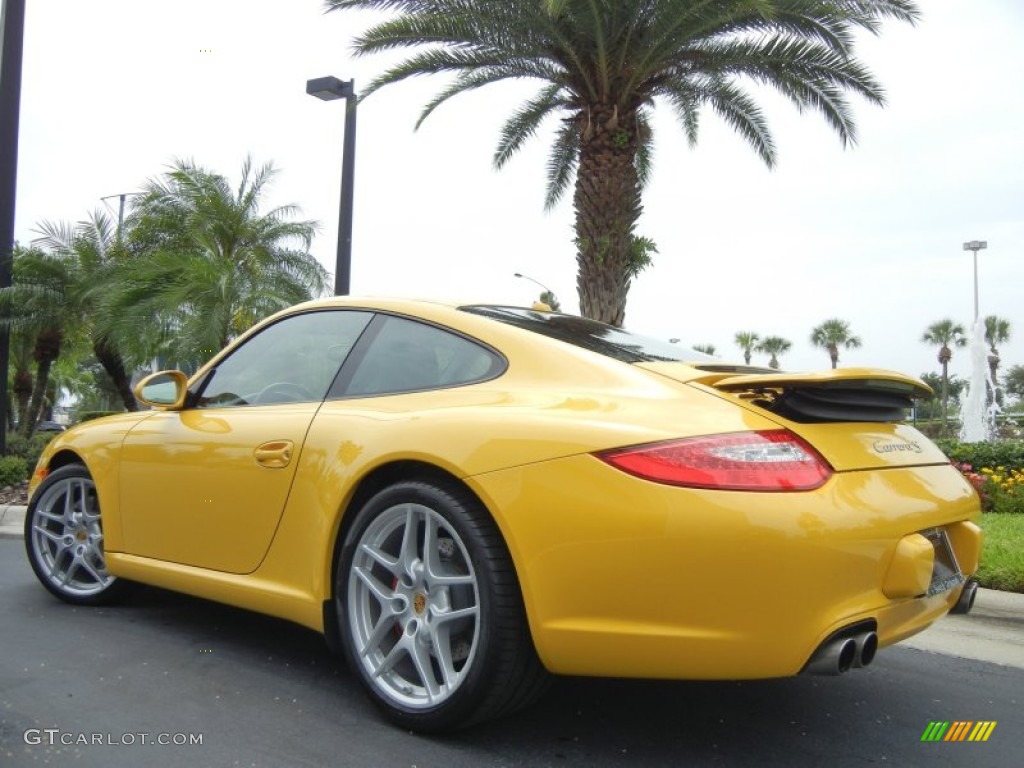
pixel 464 499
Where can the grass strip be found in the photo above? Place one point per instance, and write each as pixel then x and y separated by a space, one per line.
pixel 1002 558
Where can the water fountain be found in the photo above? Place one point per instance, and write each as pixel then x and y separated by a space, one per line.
pixel 978 416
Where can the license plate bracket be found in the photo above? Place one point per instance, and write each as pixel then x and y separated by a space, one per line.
pixel 946 573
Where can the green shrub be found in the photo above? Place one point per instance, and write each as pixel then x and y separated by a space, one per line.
pixel 13 470
pixel 1001 453
pixel 27 450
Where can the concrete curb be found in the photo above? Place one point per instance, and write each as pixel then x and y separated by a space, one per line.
pixel 993 631
pixel 12 521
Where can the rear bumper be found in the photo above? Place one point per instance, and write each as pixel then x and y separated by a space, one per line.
pixel 623 577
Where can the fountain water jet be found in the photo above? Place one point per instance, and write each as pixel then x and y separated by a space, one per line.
pixel 978 416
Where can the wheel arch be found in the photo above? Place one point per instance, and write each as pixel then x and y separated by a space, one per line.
pixel 62 458
pixel 373 482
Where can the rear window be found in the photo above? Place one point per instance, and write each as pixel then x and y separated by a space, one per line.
pixel 597 337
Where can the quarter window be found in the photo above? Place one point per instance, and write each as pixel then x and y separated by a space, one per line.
pixel 408 356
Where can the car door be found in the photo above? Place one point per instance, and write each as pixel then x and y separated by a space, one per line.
pixel 205 486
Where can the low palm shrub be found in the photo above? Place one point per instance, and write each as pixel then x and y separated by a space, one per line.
pixel 13 470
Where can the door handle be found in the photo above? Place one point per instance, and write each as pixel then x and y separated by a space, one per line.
pixel 276 454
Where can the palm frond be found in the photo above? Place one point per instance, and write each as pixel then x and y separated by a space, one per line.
pixel 562 162
pixel 604 64
pixel 741 112
pixel 466 81
pixel 645 150
pixel 525 122
pixel 207 262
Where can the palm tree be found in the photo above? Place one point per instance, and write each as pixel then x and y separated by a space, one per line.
pixel 40 302
pixel 831 335
pixel 22 342
pixel 707 349
pixel 945 333
pixel 931 408
pixel 1013 381
pixel 94 245
pixel 601 67
pixel 997 331
pixel 208 263
pixel 774 346
pixel 747 341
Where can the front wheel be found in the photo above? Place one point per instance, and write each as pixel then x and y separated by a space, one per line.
pixel 431 614
pixel 64 538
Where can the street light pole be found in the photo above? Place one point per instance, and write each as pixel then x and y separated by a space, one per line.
pixel 547 290
pixel 12 37
pixel 330 89
pixel 975 246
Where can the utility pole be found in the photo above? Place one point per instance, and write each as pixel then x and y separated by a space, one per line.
pixel 120 209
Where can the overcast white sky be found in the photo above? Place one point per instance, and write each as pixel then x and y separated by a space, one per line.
pixel 114 90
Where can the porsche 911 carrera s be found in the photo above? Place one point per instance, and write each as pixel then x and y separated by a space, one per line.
pixel 467 499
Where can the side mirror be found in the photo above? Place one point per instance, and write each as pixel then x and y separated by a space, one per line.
pixel 165 390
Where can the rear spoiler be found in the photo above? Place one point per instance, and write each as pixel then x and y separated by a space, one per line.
pixel 842 394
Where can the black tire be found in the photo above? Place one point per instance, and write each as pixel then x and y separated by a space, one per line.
pixel 64 538
pixel 430 612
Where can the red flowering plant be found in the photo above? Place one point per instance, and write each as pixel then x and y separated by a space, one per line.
pixel 1000 489
pixel 978 481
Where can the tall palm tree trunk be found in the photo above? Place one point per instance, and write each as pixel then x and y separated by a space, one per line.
pixel 23 383
pixel 607 203
pixel 35 407
pixel 945 393
pixel 113 364
pixel 945 355
pixel 47 349
pixel 993 383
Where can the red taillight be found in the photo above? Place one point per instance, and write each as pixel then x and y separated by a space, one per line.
pixel 774 460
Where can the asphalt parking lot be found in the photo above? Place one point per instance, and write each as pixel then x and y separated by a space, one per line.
pixel 100 687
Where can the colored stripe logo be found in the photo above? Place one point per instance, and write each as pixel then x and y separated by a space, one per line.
pixel 958 730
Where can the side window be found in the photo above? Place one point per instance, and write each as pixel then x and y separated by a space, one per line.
pixel 293 360
pixel 408 356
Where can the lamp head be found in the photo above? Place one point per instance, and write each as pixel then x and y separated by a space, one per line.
pixel 330 88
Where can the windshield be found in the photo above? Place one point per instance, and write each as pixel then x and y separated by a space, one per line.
pixel 597 337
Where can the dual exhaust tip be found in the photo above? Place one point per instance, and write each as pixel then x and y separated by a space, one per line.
pixel 841 654
pixel 856 647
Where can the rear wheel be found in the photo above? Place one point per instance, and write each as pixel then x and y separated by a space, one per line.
pixel 64 538
pixel 431 614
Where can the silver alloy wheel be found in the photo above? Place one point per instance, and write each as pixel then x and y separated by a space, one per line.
pixel 67 538
pixel 413 606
